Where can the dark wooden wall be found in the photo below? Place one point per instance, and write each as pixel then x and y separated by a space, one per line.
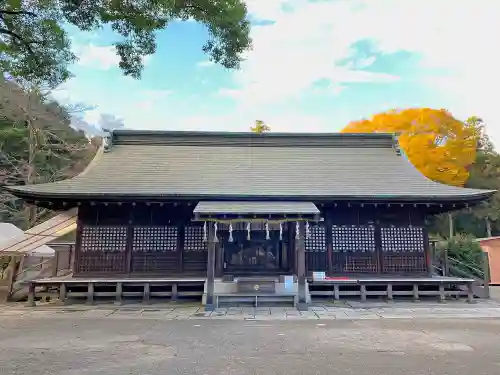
pixel 153 239
pixel 376 240
pixel 139 239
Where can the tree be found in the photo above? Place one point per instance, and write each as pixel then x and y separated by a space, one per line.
pixel 260 127
pixel 438 145
pixel 485 174
pixel 36 145
pixel 35 47
pixel 484 219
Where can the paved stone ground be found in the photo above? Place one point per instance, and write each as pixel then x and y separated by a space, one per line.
pixel 337 311
pixel 131 346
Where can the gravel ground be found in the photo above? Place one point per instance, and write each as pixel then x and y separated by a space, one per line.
pixel 36 346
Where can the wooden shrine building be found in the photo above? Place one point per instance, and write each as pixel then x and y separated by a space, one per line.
pixel 227 205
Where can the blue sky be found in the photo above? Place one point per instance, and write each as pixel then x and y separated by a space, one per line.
pixel 315 66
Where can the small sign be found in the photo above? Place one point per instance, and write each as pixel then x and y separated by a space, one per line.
pixel 319 276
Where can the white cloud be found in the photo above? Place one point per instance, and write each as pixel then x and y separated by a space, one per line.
pixel 148 99
pixel 452 36
pixel 99 57
pixel 205 64
pixel 310 41
pixel 302 45
pixel 307 42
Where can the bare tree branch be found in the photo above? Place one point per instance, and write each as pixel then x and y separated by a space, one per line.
pixel 53 146
pixel 18 12
pixel 19 38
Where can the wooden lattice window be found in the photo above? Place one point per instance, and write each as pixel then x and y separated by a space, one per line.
pixel 106 239
pixel 353 239
pixel 155 239
pixel 316 240
pixel 402 239
pixel 360 264
pixel 193 239
pixel 404 263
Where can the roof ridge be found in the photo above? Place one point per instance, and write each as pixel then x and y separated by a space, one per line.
pixel 241 139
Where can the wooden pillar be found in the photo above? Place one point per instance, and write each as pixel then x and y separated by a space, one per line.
pixel 428 253
pixel 209 303
pixel 119 293
pixel 12 269
pixel 130 241
pixel 90 293
pixel 486 274
pixel 487 222
pixel 362 292
pixel 301 267
pixel 31 295
pixel 378 248
pixel 219 263
pixel 173 296
pixel 390 296
pixel 292 262
pixel 329 244
pixel 55 263
pixel 75 262
pixel 146 295
pixel 181 233
pixel 416 296
pixel 445 262
pixel 450 225
pixel 63 292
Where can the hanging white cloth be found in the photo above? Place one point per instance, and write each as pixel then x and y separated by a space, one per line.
pixel 215 233
pixel 268 236
pixel 231 232
pixel 205 232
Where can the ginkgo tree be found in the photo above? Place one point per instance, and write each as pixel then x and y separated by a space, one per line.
pixel 440 146
pixel 260 127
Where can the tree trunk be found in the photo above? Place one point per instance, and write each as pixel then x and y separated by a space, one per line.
pixel 30 211
pixel 488 227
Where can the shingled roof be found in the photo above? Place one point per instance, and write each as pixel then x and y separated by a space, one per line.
pixel 274 166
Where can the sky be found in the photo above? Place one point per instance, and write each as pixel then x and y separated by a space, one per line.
pixel 315 66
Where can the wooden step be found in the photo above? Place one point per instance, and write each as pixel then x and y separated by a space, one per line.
pixel 256 285
pixel 254 299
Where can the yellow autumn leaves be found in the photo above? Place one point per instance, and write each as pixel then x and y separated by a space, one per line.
pixel 260 127
pixel 438 145
pixel 441 147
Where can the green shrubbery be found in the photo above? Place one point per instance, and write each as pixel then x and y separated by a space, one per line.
pixel 464 253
